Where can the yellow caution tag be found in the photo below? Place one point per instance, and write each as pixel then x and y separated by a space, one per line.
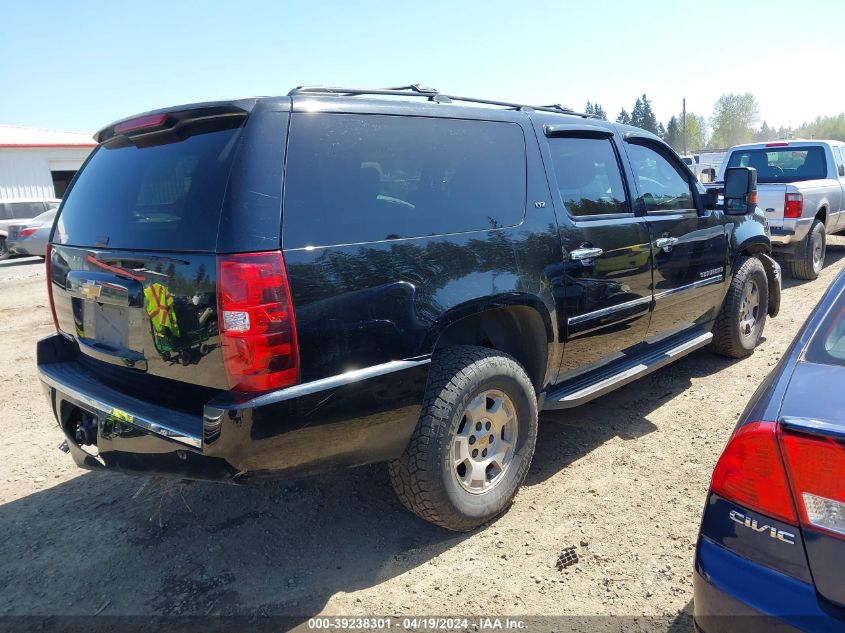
pixel 121 415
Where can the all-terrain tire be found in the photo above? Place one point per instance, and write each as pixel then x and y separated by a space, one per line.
pixel 424 476
pixel 811 253
pixel 729 337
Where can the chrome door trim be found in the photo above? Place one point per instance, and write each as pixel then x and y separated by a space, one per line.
pixel 715 279
pixel 580 318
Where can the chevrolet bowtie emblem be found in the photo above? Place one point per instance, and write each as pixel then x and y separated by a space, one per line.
pixel 91 290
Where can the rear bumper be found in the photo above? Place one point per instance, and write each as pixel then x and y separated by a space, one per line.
pixel 358 418
pixel 734 594
pixel 792 231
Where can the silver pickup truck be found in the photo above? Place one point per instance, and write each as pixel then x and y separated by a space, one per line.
pixel 801 187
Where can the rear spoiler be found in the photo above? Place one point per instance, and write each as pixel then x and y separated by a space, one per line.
pixel 173 122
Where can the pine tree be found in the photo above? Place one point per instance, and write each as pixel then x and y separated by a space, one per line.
pixel 624 117
pixel 596 110
pixel 642 115
pixel 674 135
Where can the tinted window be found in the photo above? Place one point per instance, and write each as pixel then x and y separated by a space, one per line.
pixel 160 197
pixel 663 185
pixel 837 157
pixel 828 343
pixel 588 176
pixel 365 178
pixel 5 211
pixel 785 164
pixel 26 210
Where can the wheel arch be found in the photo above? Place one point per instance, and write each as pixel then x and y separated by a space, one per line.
pixel 522 328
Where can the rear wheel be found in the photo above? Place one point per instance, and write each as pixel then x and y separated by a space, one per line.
pixel 4 249
pixel 474 440
pixel 740 323
pixel 811 253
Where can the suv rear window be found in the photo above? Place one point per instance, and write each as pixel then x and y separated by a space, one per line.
pixel 159 197
pixel 366 178
pixel 786 164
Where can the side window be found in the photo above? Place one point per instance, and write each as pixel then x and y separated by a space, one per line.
pixel 663 186
pixel 837 158
pixel 5 212
pixel 27 210
pixel 365 178
pixel 588 176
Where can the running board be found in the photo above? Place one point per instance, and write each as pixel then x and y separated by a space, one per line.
pixel 594 384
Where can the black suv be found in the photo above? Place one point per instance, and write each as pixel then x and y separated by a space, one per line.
pixel 278 286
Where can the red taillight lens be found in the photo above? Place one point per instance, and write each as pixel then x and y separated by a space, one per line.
pixel 816 468
pixel 27 232
pixel 140 123
pixel 793 205
pixel 257 328
pixel 48 259
pixel 750 472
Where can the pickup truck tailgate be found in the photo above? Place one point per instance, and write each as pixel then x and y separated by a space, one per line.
pixel 770 198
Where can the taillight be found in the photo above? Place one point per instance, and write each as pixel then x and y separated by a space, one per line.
pixel 140 123
pixel 816 468
pixel 257 328
pixel 48 259
pixel 750 472
pixel 27 232
pixel 793 205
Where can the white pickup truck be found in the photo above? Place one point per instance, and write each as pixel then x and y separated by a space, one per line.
pixel 801 187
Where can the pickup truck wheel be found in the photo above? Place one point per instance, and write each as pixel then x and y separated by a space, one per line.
pixel 743 316
pixel 474 440
pixel 4 249
pixel 812 254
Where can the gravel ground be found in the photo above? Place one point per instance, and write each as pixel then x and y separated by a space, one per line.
pixel 622 479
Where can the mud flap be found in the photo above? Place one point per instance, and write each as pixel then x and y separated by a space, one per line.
pixel 773 274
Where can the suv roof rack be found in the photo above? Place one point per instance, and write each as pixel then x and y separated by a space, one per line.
pixel 432 94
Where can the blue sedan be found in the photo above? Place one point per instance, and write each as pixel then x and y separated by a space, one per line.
pixel 771 551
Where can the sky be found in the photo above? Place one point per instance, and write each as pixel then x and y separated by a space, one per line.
pixel 78 66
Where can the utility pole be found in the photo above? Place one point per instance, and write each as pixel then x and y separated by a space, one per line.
pixel 684 117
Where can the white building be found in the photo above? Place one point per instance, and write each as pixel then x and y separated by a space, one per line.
pixel 36 163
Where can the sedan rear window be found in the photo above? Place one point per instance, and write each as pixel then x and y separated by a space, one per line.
pixel 785 164
pixel 828 343
pixel 159 197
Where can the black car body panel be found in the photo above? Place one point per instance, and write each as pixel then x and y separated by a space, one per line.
pixel 139 315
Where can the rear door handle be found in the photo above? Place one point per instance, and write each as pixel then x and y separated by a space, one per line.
pixel 666 243
pixel 580 254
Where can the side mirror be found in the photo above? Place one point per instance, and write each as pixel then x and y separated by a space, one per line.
pixel 740 190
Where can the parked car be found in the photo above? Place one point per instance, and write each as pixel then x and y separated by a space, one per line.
pixel 15 209
pixel 772 540
pixel 30 238
pixel 704 166
pixel 800 188
pixel 266 287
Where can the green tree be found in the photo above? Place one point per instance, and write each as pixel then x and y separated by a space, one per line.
pixel 824 127
pixel 734 116
pixel 642 115
pixel 765 133
pixel 596 110
pixel 674 135
pixel 696 132
pixel 624 117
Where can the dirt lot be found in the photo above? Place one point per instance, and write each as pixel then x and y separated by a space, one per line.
pixel 622 479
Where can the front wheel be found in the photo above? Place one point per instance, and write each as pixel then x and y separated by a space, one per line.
pixel 740 323
pixel 474 440
pixel 812 253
